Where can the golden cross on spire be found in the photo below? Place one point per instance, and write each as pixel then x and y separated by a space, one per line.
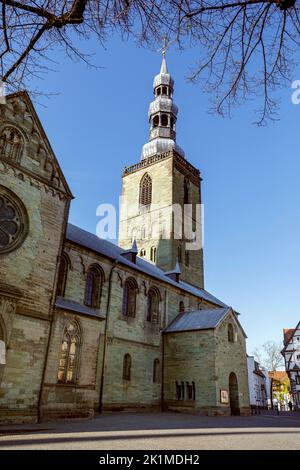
pixel 166 44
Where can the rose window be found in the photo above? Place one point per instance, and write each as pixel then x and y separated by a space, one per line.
pixel 13 221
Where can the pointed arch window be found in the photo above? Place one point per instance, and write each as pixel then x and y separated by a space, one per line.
pixel 153 306
pixel 153 254
pixel 127 367
pixel 69 354
pixel 129 298
pixel 11 143
pixel 93 287
pixel 62 275
pixel 181 306
pixel 156 371
pixel 146 190
pixel 230 333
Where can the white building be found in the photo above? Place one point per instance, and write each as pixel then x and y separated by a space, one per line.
pixel 291 354
pixel 257 384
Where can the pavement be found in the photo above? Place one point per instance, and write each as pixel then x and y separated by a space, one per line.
pixel 158 431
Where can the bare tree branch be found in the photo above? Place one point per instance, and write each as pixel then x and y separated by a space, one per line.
pixel 245 47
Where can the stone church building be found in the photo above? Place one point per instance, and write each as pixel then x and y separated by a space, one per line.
pixel 87 326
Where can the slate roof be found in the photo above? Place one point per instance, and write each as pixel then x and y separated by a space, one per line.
pixel 106 248
pixel 66 304
pixel 205 319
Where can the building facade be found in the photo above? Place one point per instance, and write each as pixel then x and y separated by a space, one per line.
pixel 88 326
pixel 291 354
pixel 258 384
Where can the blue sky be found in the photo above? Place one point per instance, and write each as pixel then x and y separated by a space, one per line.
pixel 97 124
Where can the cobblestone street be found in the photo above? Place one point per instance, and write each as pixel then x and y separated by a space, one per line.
pixel 168 431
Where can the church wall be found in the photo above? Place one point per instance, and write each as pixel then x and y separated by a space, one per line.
pixel 22 373
pixel 189 357
pixel 137 337
pixel 60 400
pixel 28 273
pixel 232 357
pixel 140 391
pixel 80 260
pixel 134 336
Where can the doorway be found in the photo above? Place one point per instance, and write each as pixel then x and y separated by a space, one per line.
pixel 234 395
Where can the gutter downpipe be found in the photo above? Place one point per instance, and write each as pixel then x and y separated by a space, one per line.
pixel 100 409
pixel 162 407
pixel 163 356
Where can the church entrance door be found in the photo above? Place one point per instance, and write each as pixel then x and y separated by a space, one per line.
pixel 234 394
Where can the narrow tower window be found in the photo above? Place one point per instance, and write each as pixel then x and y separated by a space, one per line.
pixel 153 254
pixel 179 254
pixel 156 371
pixel 127 367
pixel 186 192
pixel 62 276
pixel 146 190
pixel 164 120
pixel 230 333
pixel 155 121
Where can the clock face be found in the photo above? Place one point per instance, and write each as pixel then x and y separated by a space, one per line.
pixel 13 221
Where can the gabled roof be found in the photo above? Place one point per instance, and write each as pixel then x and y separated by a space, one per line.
pixel 205 319
pixel 25 96
pixel 104 247
pixel 288 335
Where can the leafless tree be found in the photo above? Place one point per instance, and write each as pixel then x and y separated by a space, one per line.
pixel 243 47
pixel 269 355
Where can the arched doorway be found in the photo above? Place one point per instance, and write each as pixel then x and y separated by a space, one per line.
pixel 234 394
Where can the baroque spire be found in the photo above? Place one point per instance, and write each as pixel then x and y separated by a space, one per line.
pixel 162 115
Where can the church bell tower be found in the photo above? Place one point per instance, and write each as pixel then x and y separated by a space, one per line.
pixel 161 195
